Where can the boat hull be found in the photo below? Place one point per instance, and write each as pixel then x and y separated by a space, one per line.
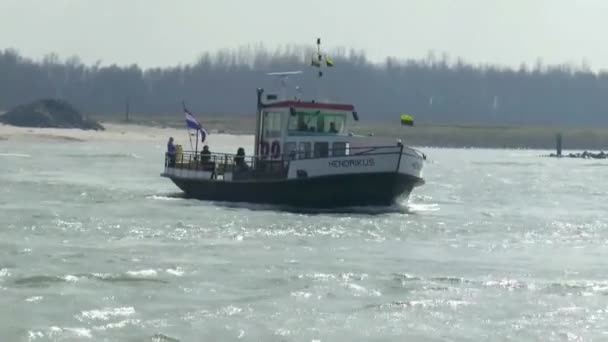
pixel 370 189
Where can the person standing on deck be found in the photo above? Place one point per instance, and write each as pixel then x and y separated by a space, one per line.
pixel 205 154
pixel 170 153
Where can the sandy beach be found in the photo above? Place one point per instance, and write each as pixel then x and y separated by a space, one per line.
pixel 112 132
pixel 575 138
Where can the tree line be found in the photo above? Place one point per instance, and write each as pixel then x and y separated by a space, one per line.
pixel 435 89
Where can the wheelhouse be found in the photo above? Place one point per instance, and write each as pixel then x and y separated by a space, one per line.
pixel 303 130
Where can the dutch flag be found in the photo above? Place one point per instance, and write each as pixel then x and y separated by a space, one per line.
pixel 192 123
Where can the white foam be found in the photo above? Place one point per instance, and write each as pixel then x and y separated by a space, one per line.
pixel 231 310
pixel 301 294
pixel 282 332
pixel 359 290
pixel 509 284
pixel 419 207
pixel 454 304
pixel 15 155
pixel 178 271
pixel 79 332
pixel 318 276
pixel 33 299
pixel 117 325
pixel 70 278
pixel 143 273
pixel 106 313
pixel 33 335
pixel 164 198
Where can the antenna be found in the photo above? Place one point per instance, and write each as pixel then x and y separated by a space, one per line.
pixel 317 61
pixel 283 75
pixel 319 56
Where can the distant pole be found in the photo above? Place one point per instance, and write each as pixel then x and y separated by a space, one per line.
pixel 128 108
pixel 558 144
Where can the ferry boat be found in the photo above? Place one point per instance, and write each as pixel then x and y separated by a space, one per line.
pixel 304 156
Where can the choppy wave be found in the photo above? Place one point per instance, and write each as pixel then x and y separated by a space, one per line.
pixel 76 332
pixel 129 277
pixel 163 338
pixel 423 303
pixel 106 313
pixel 508 163
pixel 464 246
pixel 56 333
pixel 143 273
pixel 576 287
pixel 104 155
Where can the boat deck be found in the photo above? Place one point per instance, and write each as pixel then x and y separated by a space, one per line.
pixel 224 166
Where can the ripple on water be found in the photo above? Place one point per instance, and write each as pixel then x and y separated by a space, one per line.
pixel 425 304
pixel 299 276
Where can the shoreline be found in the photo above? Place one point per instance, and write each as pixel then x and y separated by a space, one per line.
pixel 113 131
pixel 423 136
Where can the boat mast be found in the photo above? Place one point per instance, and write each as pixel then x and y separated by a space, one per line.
pixel 318 63
pixel 258 120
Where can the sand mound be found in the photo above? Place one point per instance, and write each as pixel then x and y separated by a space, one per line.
pixel 48 113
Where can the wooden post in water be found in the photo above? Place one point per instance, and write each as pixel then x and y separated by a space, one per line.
pixel 128 109
pixel 558 144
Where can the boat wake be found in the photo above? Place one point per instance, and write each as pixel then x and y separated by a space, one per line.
pixel 422 207
pixel 405 207
pixel 362 210
pixel 167 197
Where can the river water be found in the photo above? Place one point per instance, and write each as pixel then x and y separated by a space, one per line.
pixel 499 245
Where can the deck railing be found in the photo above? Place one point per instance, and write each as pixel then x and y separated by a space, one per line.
pixel 264 166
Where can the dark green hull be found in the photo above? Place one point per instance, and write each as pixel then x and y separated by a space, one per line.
pixel 372 189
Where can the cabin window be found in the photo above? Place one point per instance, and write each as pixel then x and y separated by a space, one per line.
pixel 333 123
pixel 305 150
pixel 272 124
pixel 338 149
pixel 315 122
pixel 321 149
pixel 290 150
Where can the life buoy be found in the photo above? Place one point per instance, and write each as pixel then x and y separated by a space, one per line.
pixel 275 150
pixel 264 148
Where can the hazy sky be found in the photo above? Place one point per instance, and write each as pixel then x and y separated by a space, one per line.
pixel 163 32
